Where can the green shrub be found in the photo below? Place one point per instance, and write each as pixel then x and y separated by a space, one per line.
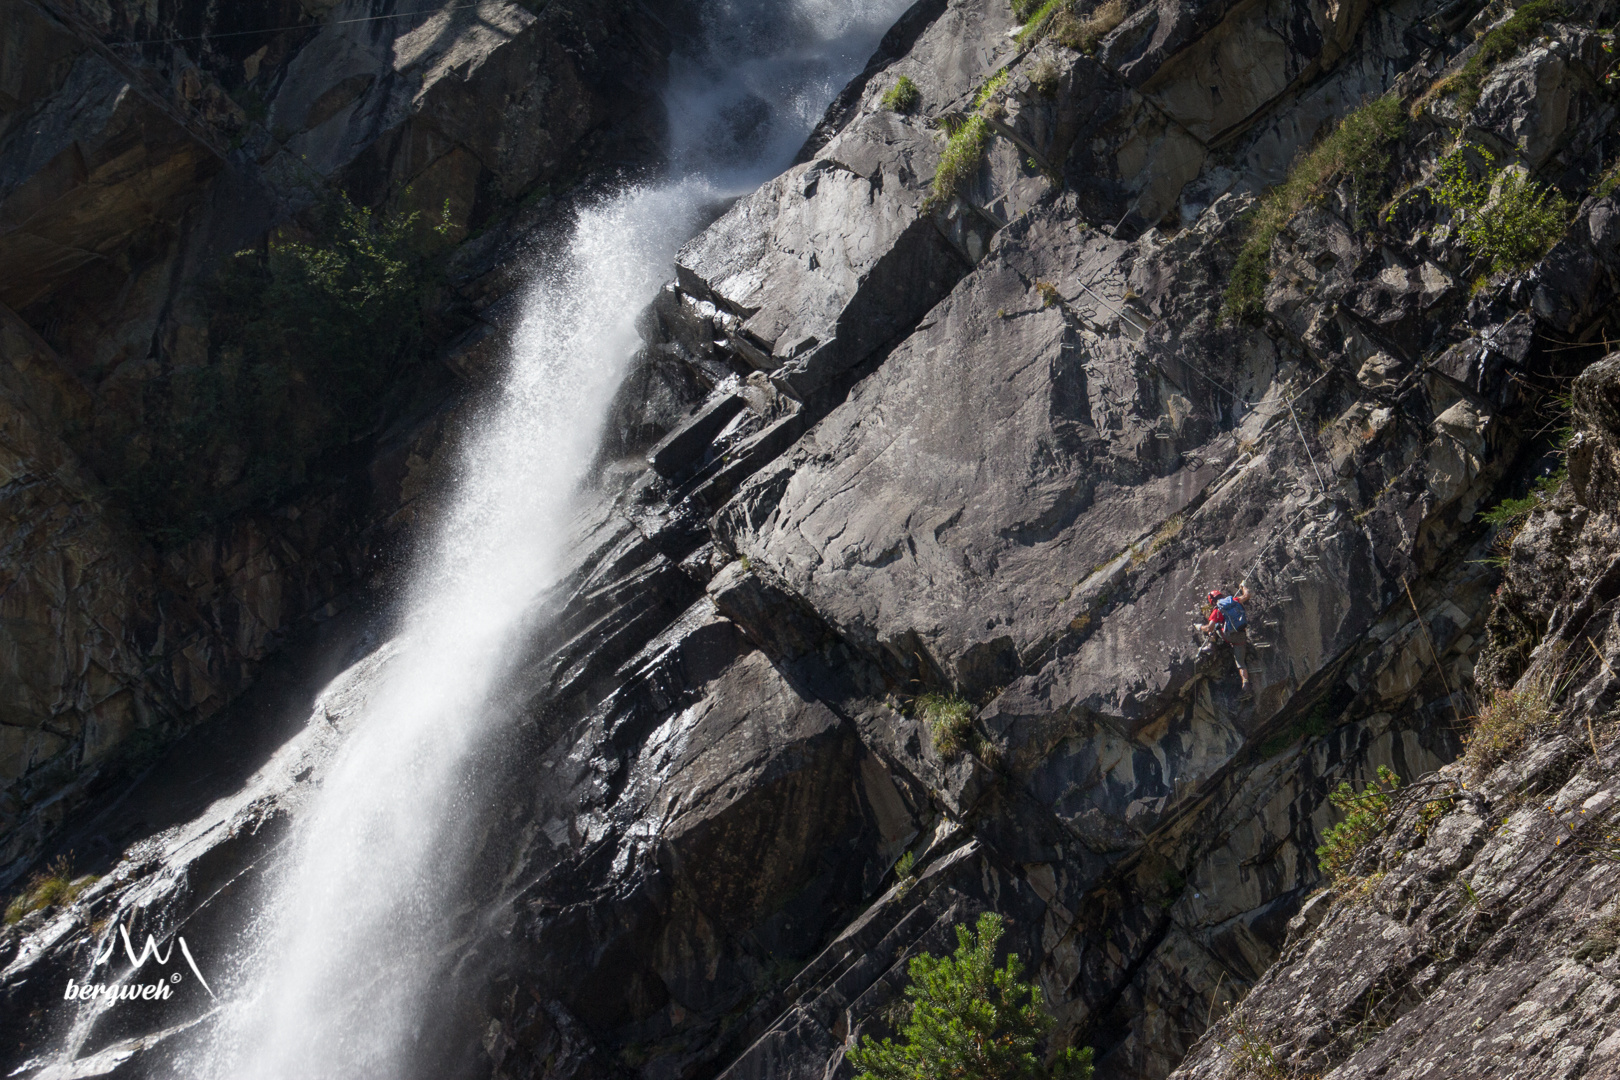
pixel 305 339
pixel 949 718
pixel 905 873
pixel 1501 216
pixel 903 96
pixel 1366 813
pixel 960 161
pixel 48 888
pixel 970 1020
pixel 1497 45
pixel 1511 512
pixel 1355 150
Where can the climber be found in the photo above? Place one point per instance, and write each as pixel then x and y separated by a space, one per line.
pixel 1228 622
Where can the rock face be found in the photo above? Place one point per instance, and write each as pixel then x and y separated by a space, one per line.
pixel 128 173
pixel 888 437
pixel 1483 922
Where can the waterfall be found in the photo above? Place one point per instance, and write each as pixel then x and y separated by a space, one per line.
pixel 332 979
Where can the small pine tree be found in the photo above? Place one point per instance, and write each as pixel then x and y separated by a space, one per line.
pixel 970 1021
pixel 1366 813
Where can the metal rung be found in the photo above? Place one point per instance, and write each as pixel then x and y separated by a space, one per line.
pixel 1262 644
pixel 1311 558
pixel 1299 577
pixel 1160 435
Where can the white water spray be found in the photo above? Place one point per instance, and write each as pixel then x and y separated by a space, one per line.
pixel 334 981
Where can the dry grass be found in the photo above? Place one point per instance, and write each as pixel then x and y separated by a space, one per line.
pixel 1251 1055
pixel 1044 77
pixel 1167 532
pixel 1608 181
pixel 1082 32
pixel 1502 724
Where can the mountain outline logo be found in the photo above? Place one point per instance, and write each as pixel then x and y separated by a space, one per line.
pixel 128 990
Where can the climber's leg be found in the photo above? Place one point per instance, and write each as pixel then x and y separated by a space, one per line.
pixel 1239 641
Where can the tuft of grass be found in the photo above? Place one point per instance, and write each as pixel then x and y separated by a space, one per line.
pixel 960 161
pixel 1050 297
pixel 1607 182
pixel 53 886
pixel 1502 724
pixel 1044 77
pixel 1039 20
pixel 1502 216
pixel 1253 1055
pixel 1167 532
pixel 1356 150
pixel 903 97
pixel 1497 45
pixel 949 718
pixel 1602 941
pixel 1366 813
pixel 992 86
pixel 1082 33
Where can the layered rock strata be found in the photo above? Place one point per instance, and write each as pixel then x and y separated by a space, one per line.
pixel 996 442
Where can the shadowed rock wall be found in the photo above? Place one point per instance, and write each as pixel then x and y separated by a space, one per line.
pixel 140 146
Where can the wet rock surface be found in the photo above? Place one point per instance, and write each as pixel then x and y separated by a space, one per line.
pixel 998 446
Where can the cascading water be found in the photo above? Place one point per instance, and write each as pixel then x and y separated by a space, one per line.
pixel 333 982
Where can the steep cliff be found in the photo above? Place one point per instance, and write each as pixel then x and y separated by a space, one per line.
pixel 150 566
pixel 934 446
pixel 1479 922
